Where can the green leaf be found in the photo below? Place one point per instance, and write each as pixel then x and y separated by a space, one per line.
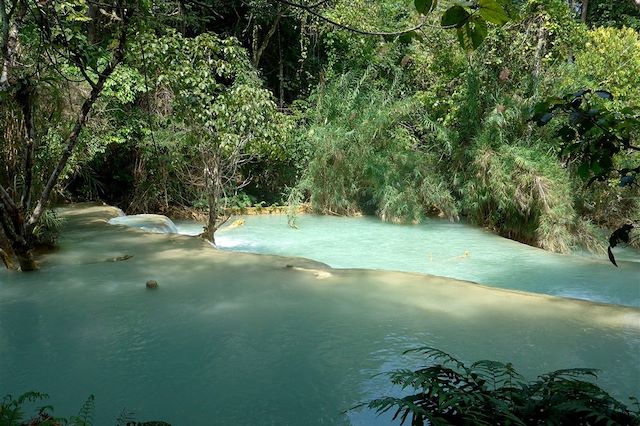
pixel 492 12
pixel 425 6
pixel 455 16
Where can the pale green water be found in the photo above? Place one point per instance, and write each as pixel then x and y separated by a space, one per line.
pixel 437 247
pixel 239 339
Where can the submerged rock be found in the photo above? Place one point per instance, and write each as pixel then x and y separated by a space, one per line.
pixel 152 284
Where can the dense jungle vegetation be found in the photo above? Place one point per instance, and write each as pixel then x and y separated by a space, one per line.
pixel 395 108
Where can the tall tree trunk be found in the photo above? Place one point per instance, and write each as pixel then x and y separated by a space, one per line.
pixel 17 220
pixel 280 72
pixel 72 139
pixel 92 14
pixel 585 11
pixel 213 187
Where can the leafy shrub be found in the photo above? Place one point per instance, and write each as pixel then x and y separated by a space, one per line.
pixel 448 392
pixel 12 412
pixel 48 229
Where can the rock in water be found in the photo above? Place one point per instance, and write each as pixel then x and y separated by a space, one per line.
pixel 152 284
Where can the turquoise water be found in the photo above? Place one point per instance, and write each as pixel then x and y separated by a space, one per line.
pixel 239 339
pixel 438 247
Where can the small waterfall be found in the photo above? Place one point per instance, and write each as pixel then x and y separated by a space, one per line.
pixel 147 222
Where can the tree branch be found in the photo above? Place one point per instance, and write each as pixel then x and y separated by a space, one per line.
pixel 6 199
pixel 257 54
pixel 310 10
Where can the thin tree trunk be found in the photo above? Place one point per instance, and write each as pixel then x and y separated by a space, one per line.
pixel 214 191
pixel 26 101
pixel 9 40
pixel 280 72
pixel 539 54
pixel 92 14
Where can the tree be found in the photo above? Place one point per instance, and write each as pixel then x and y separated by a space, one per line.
pixel 226 114
pixel 44 45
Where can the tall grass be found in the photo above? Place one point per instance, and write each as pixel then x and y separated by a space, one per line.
pixel 524 194
pixel 366 155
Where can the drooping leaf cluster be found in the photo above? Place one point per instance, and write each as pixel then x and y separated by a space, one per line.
pixel 594 139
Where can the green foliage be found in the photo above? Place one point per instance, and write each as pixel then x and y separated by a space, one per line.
pixel 448 392
pixel 600 143
pixel 593 136
pixel 470 19
pixel 609 59
pixel 12 412
pixel 365 155
pixel 48 229
pixel 614 13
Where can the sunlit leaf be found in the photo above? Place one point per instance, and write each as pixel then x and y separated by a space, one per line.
pixel 492 12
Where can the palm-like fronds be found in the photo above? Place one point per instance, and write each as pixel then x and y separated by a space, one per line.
pixel 448 392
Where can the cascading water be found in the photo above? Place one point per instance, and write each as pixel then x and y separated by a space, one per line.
pixel 147 222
